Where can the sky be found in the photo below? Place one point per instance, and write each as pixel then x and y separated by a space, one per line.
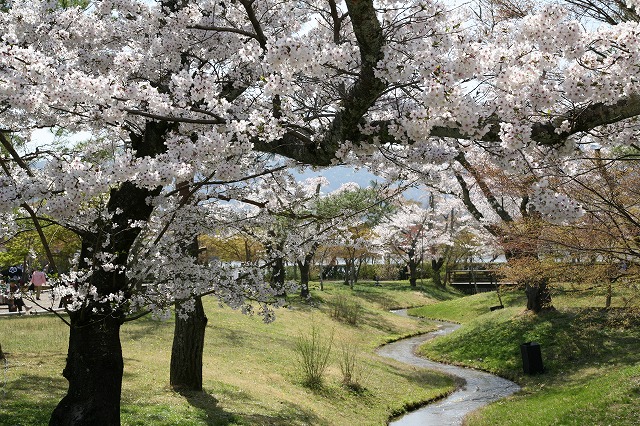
pixel 337 176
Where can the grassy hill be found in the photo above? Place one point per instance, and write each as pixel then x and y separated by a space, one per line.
pixel 591 357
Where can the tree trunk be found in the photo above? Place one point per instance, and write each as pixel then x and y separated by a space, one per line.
pixel 185 373
pixel 305 268
pixel 538 295
pixel 413 268
pixel 352 273
pixel 356 271
pixel 94 371
pixel 187 349
pixel 278 272
pixel 94 361
pixel 536 288
pixel 346 272
pixel 278 277
pixel 436 266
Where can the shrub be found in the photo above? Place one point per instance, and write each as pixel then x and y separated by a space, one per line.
pixel 313 351
pixel 346 309
pixel 351 367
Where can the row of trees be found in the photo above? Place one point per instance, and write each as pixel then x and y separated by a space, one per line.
pixel 197 106
pixel 349 228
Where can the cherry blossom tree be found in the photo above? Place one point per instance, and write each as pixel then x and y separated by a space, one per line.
pixel 285 223
pixel 206 92
pixel 415 233
pixel 357 210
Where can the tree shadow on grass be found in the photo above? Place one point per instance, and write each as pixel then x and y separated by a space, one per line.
pixel 208 404
pixel 140 332
pixel 30 399
pixel 379 322
pixel 428 290
pixel 214 415
pixel 380 298
pixel 428 380
pixel 569 341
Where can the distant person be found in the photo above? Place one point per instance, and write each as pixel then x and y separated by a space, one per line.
pixel 4 292
pixel 15 297
pixel 38 279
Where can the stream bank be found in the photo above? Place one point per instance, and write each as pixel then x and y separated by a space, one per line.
pixel 479 389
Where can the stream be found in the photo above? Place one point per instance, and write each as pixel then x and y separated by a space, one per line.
pixel 480 388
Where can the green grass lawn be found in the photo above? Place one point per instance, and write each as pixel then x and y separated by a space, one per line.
pixel 591 357
pixel 251 373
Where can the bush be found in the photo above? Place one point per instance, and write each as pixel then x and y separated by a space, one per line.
pixel 351 367
pixel 313 351
pixel 368 272
pixel 346 309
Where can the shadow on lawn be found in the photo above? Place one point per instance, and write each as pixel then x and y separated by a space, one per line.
pixel 425 288
pixel 216 416
pixel 429 379
pixel 212 414
pixel 17 399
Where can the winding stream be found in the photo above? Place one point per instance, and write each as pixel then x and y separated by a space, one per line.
pixel 480 388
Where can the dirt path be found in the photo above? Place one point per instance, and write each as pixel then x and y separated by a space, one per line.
pixel 480 388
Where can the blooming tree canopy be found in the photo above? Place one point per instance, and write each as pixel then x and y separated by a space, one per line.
pixel 187 95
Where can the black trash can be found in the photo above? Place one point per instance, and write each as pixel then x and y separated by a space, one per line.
pixel 531 358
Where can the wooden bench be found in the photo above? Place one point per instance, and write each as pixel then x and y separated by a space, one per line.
pixel 472 281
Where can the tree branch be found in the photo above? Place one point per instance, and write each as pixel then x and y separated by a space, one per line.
pixel 493 202
pixel 225 30
pixel 357 102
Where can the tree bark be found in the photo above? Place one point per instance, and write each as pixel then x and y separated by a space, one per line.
pixel 185 372
pixel 278 276
pixel 94 371
pixel 278 271
pixel 436 266
pixel 305 268
pixel 538 295
pixel 413 269
pixel 187 350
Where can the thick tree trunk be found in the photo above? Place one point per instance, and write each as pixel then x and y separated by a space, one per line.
pixel 94 361
pixel 349 267
pixel 413 273
pixel 94 371
pixel 187 349
pixel 536 288
pixel 278 273
pixel 185 372
pixel 538 295
pixel 356 271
